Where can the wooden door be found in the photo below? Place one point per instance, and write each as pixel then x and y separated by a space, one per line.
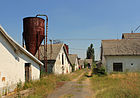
pixel 27 72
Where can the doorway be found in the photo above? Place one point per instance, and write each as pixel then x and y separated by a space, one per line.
pixel 27 72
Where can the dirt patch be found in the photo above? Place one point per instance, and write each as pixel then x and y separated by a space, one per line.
pixel 74 89
pixel 60 84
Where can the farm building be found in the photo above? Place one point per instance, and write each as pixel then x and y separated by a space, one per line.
pixel 81 63
pixel 89 62
pixel 131 36
pixel 16 63
pixel 74 61
pixel 57 59
pixel 121 55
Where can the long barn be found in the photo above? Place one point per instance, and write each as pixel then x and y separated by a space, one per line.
pixel 122 55
pixel 16 63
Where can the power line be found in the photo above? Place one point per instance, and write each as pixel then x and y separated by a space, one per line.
pixel 81 49
pixel 76 49
pixel 80 39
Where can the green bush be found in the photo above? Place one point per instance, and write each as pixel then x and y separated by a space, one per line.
pixel 43 73
pixel 100 71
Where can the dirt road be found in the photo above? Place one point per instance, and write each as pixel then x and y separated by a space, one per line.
pixel 74 89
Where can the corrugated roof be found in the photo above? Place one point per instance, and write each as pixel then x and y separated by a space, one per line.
pixel 52 51
pixel 131 36
pixel 72 58
pixel 121 47
pixel 17 46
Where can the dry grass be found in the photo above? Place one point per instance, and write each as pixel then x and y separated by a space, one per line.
pixel 75 74
pixel 117 86
pixel 47 84
pixel 41 88
pixel 68 96
pixel 84 76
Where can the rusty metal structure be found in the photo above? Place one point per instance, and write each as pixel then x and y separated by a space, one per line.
pixel 34 34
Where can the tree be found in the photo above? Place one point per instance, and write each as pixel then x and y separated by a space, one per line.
pixel 90 52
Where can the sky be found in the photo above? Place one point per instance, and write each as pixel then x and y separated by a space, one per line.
pixel 88 21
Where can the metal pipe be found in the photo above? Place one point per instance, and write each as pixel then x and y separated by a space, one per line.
pixel 45 40
pixel 51 48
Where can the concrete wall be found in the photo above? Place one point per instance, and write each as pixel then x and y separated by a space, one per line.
pixel 130 63
pixel 57 69
pixel 12 66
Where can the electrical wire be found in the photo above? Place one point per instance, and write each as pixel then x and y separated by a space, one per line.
pixel 79 39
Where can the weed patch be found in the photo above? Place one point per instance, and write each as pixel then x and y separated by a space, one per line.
pixel 124 85
pixel 44 86
pixel 68 96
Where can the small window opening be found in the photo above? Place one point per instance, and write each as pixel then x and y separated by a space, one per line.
pixel 62 59
pixel 118 67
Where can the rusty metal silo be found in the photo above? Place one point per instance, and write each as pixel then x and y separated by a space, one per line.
pixel 33 33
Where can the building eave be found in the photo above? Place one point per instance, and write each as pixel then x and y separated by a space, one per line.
pixel 18 47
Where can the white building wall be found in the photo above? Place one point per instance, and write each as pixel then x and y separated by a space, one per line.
pixel 35 68
pixel 130 63
pixel 12 66
pixel 57 69
pixel 76 64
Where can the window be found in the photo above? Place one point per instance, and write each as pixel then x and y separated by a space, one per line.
pixel 62 59
pixel 117 67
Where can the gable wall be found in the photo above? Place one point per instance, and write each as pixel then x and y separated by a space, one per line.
pixel 58 64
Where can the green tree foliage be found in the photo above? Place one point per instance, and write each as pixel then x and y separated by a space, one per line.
pixel 90 52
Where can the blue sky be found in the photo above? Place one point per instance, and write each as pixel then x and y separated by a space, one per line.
pixel 74 19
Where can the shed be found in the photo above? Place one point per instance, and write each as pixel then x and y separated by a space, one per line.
pixel 74 61
pixel 81 63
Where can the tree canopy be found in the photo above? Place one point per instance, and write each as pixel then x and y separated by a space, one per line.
pixel 90 52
